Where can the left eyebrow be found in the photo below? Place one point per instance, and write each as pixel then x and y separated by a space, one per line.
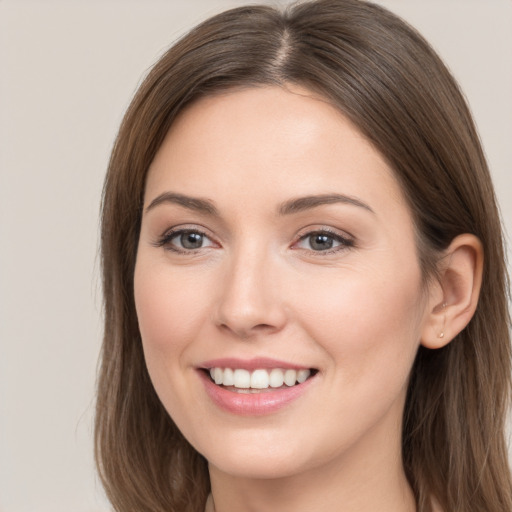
pixel 305 203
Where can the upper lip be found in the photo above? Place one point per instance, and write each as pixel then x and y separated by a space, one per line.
pixel 257 363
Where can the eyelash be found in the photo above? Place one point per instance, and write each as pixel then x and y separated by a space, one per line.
pixel 345 242
pixel 165 240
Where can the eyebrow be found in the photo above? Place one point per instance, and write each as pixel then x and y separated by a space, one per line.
pixel 192 203
pixel 305 203
pixel 290 207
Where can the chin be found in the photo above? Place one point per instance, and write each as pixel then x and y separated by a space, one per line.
pixel 256 468
pixel 255 455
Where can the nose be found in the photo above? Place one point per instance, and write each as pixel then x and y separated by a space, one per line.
pixel 252 297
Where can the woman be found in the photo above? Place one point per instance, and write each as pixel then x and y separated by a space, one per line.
pixel 304 277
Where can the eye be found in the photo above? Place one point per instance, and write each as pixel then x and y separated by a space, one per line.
pixel 324 241
pixel 185 240
pixel 190 240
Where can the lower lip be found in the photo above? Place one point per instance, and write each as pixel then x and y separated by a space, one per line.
pixel 253 404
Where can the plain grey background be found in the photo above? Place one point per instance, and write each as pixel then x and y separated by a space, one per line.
pixel 67 72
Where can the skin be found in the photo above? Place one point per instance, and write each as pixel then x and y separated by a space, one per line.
pixel 257 288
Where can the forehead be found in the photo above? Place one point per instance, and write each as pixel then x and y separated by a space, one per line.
pixel 269 142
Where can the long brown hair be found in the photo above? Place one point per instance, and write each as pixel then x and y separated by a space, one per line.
pixel 388 81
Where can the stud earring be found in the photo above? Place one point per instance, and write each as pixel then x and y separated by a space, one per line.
pixel 441 335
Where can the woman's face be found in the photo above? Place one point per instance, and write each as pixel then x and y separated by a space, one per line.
pixel 276 244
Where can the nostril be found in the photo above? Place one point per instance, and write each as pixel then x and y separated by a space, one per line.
pixel 264 328
pixel 246 333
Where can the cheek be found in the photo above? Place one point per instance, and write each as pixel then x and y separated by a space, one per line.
pixel 368 324
pixel 369 329
pixel 168 307
pixel 170 313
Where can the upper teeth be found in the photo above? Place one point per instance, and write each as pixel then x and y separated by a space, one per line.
pixel 258 379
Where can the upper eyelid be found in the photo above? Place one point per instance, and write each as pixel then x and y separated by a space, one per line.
pixel 307 231
pixel 345 239
pixel 194 228
pixel 170 233
pixel 332 234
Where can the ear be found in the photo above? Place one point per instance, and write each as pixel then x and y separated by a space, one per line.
pixel 454 297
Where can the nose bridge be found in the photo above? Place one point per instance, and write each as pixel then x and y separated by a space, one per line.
pixel 250 302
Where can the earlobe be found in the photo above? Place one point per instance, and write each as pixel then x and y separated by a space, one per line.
pixel 455 298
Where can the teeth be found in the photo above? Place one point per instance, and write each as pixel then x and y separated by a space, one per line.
pixel 290 377
pixel 276 378
pixel 258 379
pixel 229 377
pixel 302 375
pixel 242 379
pixel 218 375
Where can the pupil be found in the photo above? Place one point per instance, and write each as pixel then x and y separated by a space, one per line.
pixel 191 240
pixel 321 242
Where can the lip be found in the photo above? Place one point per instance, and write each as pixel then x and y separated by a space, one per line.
pixel 263 363
pixel 253 404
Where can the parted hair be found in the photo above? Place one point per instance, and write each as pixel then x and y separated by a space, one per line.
pixel 384 77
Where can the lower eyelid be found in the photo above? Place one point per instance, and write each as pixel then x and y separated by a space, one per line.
pixel 343 243
pixel 168 236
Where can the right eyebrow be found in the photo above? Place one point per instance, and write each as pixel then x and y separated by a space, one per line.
pixel 192 203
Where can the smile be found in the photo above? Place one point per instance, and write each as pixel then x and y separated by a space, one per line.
pixel 257 387
pixel 259 379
